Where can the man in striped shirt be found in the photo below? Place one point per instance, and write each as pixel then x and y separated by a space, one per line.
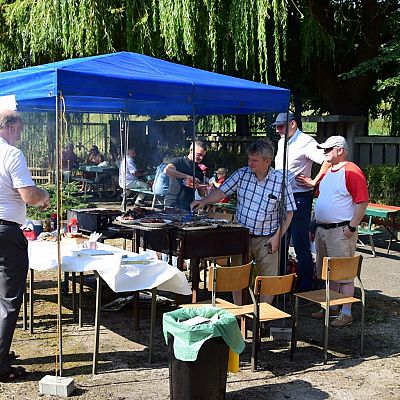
pixel 258 188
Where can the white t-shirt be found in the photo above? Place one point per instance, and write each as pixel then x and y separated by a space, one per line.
pixel 339 192
pixel 131 169
pixel 14 174
pixel 301 153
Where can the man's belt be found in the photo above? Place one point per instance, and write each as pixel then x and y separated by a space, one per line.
pixel 9 223
pixel 331 226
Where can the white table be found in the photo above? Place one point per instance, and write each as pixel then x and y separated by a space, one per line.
pixel 147 273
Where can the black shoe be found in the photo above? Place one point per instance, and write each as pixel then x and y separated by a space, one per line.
pixel 305 302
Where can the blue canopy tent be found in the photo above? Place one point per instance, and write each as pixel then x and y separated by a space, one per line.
pixel 132 84
pixel 137 84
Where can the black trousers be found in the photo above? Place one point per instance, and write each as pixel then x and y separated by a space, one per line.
pixel 13 270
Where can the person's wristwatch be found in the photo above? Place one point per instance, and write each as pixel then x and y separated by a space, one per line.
pixel 351 228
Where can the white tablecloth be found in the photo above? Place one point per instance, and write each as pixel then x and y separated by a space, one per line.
pixel 120 278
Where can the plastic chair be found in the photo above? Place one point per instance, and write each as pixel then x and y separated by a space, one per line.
pixel 336 269
pixel 264 312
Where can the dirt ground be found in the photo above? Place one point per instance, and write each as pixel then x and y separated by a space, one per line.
pixel 125 373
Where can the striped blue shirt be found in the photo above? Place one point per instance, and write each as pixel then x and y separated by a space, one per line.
pixel 258 202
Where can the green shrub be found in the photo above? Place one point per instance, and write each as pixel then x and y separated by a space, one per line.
pixel 383 184
pixel 69 200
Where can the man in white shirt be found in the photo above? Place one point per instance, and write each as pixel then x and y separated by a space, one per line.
pixel 301 153
pixel 130 179
pixel 16 190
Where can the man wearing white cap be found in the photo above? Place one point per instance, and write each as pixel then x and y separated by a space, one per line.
pixel 301 153
pixel 340 207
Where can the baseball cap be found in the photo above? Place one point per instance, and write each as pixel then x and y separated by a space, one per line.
pixel 334 141
pixel 281 119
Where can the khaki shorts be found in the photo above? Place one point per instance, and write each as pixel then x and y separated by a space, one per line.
pixel 333 243
pixel 266 264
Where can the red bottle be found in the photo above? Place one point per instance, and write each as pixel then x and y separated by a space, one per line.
pixel 53 222
pixel 73 225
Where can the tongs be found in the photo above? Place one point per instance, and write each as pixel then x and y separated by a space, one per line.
pixel 187 217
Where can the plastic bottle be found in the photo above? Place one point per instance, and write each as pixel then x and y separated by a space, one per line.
pixel 73 225
pixel 53 222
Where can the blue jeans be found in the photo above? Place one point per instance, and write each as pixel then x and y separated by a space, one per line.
pixel 299 232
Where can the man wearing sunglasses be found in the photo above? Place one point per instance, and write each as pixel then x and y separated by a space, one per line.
pixel 301 154
pixel 340 207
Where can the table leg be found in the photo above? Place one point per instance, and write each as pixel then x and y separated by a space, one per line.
pixel 97 323
pixel 391 231
pixel 73 299
pixel 137 241
pixel 195 270
pixel 136 313
pixel 153 322
pixel 80 306
pixel 31 279
pixel 24 309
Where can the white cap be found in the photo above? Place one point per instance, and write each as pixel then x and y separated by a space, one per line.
pixel 334 141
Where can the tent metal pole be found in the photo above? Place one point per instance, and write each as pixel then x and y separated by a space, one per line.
pixel 282 213
pixel 122 140
pixel 193 153
pixel 59 112
pixel 282 217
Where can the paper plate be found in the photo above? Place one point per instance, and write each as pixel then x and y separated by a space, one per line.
pixel 155 224
pixel 197 228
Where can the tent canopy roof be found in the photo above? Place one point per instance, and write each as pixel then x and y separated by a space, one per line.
pixel 137 84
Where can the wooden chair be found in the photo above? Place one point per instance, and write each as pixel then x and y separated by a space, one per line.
pixel 264 312
pixel 336 269
pixel 227 279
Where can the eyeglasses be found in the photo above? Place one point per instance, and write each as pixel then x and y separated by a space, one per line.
pixel 328 150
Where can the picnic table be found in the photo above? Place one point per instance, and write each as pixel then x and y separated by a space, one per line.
pixel 143 271
pixel 388 213
pixel 103 175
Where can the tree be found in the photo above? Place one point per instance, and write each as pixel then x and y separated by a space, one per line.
pixel 309 46
pixel 335 37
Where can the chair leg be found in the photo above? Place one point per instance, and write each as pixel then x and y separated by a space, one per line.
pixel 254 344
pixel 326 327
pixel 362 329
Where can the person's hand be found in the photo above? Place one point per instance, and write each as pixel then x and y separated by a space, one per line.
pixel 273 241
pixel 45 204
pixel 306 181
pixel 195 205
pixel 347 232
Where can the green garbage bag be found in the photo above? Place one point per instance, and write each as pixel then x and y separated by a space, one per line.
pixel 188 339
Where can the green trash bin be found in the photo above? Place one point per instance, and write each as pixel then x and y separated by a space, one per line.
pixel 198 354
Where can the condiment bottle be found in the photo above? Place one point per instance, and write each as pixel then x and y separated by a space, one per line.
pixel 73 225
pixel 53 222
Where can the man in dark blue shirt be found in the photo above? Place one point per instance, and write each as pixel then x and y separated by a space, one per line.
pixel 180 171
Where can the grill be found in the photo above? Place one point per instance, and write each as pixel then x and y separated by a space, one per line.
pixel 98 219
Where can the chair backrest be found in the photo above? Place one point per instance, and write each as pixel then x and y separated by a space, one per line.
pixel 341 268
pixel 230 278
pixel 220 215
pixel 274 285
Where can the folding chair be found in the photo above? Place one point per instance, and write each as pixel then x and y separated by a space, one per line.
pixel 264 312
pixel 337 269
